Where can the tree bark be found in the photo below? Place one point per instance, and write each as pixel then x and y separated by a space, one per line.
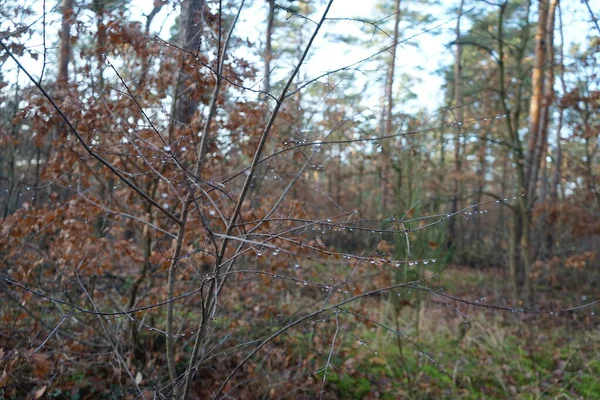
pixel 387 117
pixel 190 33
pixel 64 47
pixel 267 57
pixel 558 157
pixel 458 114
pixel 542 95
pixel 541 99
pixel 268 52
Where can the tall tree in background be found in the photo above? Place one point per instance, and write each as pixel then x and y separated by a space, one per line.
pixel 387 116
pixel 267 57
pixel 542 97
pixel 64 47
pixel 458 117
pixel 268 51
pixel 507 49
pixel 558 157
pixel 511 99
pixel 185 96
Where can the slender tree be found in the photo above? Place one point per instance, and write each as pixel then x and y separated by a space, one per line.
pixel 458 117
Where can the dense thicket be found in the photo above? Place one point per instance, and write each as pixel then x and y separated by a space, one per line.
pixel 198 199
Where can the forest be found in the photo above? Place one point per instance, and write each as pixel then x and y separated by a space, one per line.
pixel 299 199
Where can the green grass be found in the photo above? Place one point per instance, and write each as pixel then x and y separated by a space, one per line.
pixel 496 355
pixel 478 370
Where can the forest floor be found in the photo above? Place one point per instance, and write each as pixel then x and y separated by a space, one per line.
pixel 446 349
pixel 463 351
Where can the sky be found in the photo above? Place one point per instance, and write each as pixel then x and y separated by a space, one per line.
pixel 420 63
pixel 327 55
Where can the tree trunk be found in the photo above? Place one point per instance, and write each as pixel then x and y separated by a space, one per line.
pixel 387 117
pixel 458 114
pixel 558 157
pixel 267 57
pixel 541 98
pixel 268 52
pixel 64 46
pixel 542 95
pixel 190 33
pixel 101 39
pixel 519 268
pixel 514 254
pixel 481 170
